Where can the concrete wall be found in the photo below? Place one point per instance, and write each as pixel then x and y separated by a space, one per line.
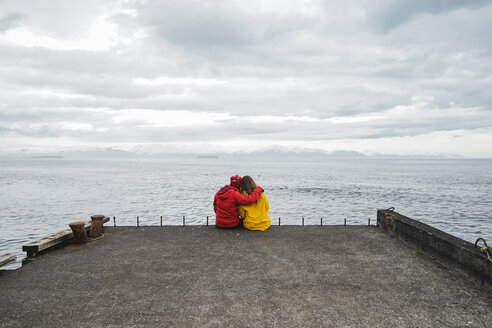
pixel 456 252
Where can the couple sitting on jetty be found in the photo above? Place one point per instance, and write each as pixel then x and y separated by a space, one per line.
pixel 241 204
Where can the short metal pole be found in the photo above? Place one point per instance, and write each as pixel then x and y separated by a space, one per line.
pixel 321 221
pixel 183 220
pixel 79 232
pixel 345 221
pixel 207 221
pixel 279 221
pixel 114 221
pixel 369 221
pixel 138 222
pixel 161 220
pixel 303 221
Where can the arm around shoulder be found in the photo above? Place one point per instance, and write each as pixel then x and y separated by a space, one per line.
pixel 246 200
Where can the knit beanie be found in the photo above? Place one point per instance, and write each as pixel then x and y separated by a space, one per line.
pixel 235 181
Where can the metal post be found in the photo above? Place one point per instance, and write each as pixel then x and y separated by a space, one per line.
pixel 279 221
pixel 207 221
pixel 321 221
pixel 183 220
pixel 138 223
pixel 79 232
pixel 345 221
pixel 114 221
pixel 96 225
pixel 303 221
pixel 161 220
pixel 369 221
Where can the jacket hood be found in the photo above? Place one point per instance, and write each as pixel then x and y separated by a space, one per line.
pixel 224 191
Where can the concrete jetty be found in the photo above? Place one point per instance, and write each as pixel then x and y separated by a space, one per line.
pixel 288 276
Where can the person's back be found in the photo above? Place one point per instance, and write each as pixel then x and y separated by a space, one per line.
pixel 225 207
pixel 255 215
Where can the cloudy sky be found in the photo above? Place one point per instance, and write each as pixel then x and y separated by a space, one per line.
pixel 400 77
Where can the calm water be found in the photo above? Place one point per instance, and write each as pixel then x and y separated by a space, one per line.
pixel 41 196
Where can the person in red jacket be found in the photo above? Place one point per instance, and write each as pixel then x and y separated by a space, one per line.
pixel 226 201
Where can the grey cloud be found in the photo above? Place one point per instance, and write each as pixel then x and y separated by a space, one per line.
pixel 10 21
pixel 444 35
pixel 105 83
pixel 386 15
pixel 40 132
pixel 205 31
pixel 137 130
pixel 217 31
pixel 51 115
pixel 58 18
pixel 4 130
pixel 192 24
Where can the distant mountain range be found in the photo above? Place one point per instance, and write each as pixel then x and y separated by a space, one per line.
pixel 266 154
pixel 316 154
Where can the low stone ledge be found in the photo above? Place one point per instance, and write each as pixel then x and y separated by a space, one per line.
pixel 33 248
pixel 459 254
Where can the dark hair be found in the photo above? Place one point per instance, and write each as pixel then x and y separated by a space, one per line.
pixel 247 185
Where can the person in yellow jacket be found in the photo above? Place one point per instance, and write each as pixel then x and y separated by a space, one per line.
pixel 255 215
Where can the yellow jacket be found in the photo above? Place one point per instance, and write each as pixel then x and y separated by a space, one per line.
pixel 256 215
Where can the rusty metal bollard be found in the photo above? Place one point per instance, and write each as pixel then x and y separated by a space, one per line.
pixel 79 233
pixel 96 226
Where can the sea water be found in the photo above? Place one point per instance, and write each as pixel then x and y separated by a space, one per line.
pixel 39 197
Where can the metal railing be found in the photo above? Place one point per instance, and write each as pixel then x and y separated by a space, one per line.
pixel 183 222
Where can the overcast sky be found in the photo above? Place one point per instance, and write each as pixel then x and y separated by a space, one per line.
pixel 400 77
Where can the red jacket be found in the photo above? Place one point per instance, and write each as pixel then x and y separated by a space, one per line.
pixel 226 201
